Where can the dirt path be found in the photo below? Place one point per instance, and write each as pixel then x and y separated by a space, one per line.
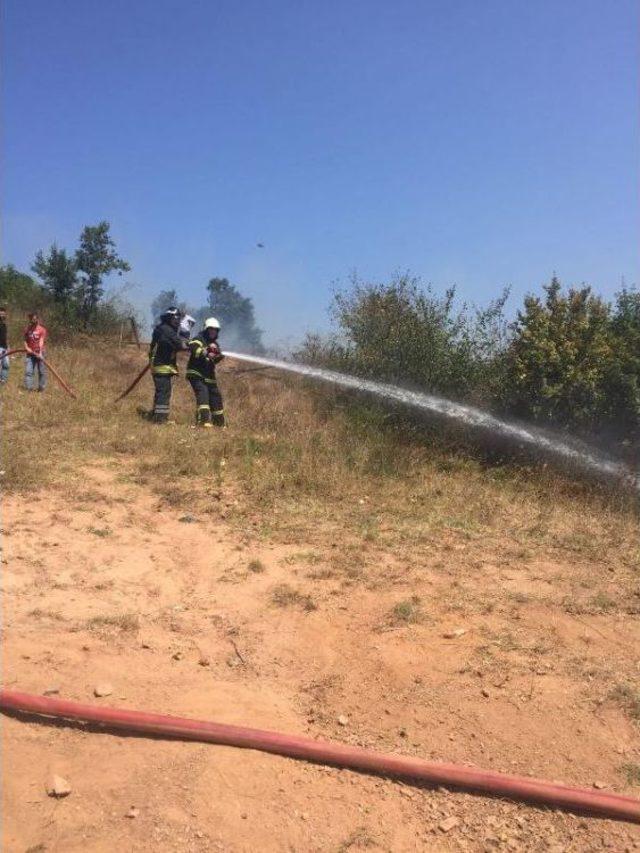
pixel 194 616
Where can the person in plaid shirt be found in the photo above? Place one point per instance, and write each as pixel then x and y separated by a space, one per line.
pixel 35 336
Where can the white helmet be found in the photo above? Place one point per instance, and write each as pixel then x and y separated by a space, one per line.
pixel 211 323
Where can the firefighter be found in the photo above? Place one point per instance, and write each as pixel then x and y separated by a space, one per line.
pixel 165 345
pixel 201 373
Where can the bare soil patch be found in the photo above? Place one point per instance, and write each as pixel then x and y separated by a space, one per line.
pixel 287 621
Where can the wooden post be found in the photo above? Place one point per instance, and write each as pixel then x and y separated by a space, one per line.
pixel 134 329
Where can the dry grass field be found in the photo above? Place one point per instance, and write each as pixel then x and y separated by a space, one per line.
pixel 301 571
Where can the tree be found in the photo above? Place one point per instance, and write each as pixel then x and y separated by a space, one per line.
pixel 623 373
pixel 19 290
pixel 58 274
pixel 96 258
pixel 236 315
pixel 559 357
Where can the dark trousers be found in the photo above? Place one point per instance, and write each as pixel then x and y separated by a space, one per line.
pixel 209 407
pixel 162 397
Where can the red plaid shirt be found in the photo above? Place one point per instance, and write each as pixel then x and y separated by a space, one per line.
pixel 35 337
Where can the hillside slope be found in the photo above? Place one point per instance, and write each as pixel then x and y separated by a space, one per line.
pixel 299 571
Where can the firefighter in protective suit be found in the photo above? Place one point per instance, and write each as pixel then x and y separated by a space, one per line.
pixel 165 345
pixel 201 373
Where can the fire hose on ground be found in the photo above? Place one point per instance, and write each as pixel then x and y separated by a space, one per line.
pixel 48 365
pixel 581 800
pixel 130 388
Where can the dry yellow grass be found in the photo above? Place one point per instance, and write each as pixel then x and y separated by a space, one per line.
pixel 299 451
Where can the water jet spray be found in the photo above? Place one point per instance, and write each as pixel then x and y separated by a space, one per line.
pixel 585 459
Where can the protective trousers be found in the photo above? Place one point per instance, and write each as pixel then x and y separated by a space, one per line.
pixel 162 397
pixel 209 408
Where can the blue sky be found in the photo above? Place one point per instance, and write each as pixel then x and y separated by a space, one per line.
pixel 475 142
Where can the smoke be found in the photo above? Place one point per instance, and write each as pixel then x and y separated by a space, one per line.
pixel 583 458
pixel 237 336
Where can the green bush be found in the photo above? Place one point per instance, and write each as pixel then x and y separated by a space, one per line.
pixel 574 361
pixel 402 333
pixel 569 359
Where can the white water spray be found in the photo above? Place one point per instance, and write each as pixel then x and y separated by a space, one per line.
pixel 467 415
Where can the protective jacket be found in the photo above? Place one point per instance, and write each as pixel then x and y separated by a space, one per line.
pixel 165 344
pixel 200 365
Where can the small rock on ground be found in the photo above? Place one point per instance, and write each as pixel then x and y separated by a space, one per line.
pixel 104 689
pixel 453 635
pixel 57 786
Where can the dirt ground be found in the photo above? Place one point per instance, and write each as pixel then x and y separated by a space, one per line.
pixel 206 616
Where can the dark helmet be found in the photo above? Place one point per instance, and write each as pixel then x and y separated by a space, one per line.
pixel 170 312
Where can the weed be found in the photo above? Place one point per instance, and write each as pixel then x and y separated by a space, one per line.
pixel 310 557
pixel 321 574
pixel 284 595
pixel 407 611
pixel 631 772
pixel 39 613
pixel 128 623
pixel 507 642
pixel 370 531
pixel 102 532
pixel 602 602
pixel 358 838
pixel 628 698
pixel 257 567
pixel 101 586
pixel 520 597
pixel 541 647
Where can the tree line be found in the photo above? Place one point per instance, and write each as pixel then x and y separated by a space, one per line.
pixel 71 286
pixel 569 359
pixel 70 290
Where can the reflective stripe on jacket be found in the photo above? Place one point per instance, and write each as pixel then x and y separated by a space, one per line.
pixel 200 366
pixel 165 343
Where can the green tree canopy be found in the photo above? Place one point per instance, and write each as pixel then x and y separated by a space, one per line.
pixel 57 271
pixel 559 357
pixel 19 290
pixel 96 257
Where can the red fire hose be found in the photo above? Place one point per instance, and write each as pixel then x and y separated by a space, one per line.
pixel 69 390
pixel 49 366
pixel 134 383
pixel 551 794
